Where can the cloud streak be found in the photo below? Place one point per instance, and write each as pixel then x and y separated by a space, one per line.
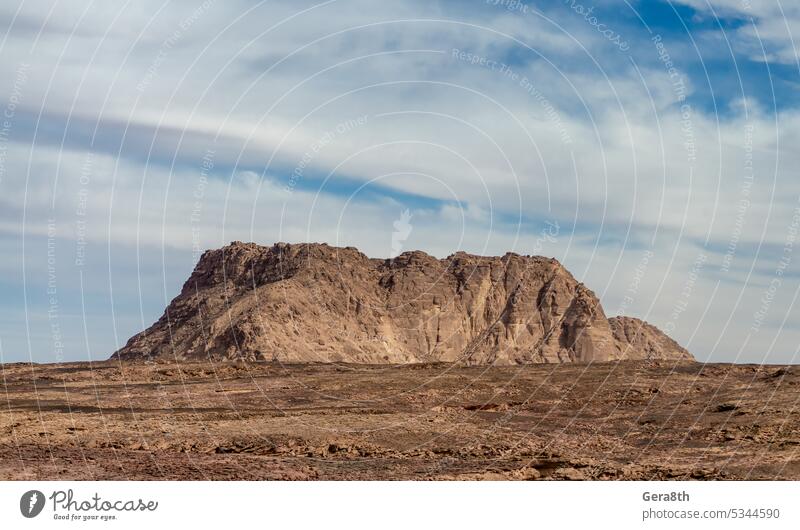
pixel 176 128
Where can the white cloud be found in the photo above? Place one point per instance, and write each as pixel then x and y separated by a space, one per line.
pixel 771 24
pixel 466 147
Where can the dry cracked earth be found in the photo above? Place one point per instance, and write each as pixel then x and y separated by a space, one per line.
pixel 259 420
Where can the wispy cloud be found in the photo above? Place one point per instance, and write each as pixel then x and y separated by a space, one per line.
pixel 173 127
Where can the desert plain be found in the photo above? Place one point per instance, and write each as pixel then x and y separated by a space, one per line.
pixel 240 420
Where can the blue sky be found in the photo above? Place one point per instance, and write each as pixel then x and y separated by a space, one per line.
pixel 659 137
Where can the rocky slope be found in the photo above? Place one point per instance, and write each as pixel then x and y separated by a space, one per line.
pixel 646 339
pixel 316 303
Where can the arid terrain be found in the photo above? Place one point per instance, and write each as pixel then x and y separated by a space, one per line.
pixel 242 420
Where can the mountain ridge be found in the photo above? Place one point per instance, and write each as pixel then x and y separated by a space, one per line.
pixel 311 302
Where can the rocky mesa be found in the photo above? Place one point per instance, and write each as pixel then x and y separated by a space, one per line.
pixel 298 303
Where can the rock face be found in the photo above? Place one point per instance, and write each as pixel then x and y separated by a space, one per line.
pixel 316 303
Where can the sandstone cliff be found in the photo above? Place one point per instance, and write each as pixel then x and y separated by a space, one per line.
pixel 316 303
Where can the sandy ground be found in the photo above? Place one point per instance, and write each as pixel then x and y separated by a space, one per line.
pixel 252 421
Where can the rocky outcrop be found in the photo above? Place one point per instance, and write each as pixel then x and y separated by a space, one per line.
pixel 636 339
pixel 316 303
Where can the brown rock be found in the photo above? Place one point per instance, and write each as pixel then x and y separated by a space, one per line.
pixel 636 339
pixel 316 303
